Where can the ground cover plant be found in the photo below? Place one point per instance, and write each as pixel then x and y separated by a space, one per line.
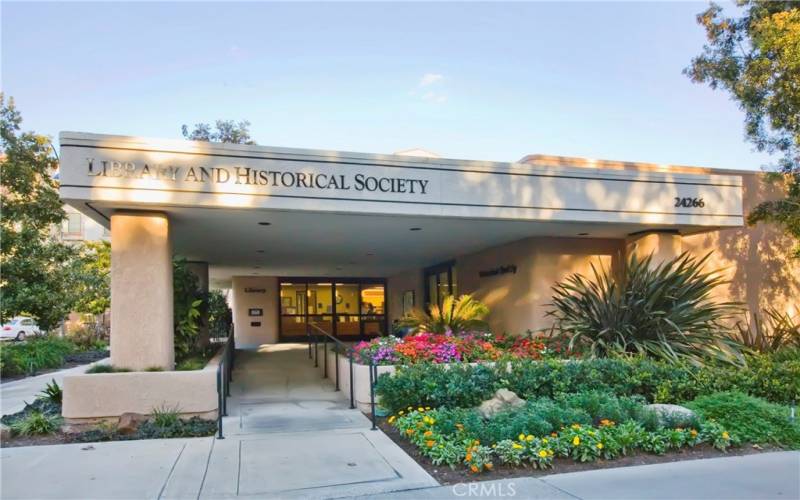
pixel 541 431
pixel 774 377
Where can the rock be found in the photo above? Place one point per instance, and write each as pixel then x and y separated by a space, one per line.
pixel 672 415
pixel 503 400
pixel 129 422
pixel 5 432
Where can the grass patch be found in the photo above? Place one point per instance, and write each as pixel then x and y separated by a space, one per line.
pixel 106 369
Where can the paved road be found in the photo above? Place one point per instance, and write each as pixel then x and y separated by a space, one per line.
pixel 13 395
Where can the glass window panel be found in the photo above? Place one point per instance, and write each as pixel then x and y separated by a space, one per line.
pixel 373 326
pixel 348 325
pixel 373 299
pixel 293 325
pixel 292 298
pixel 432 290
pixel 320 298
pixel 453 282
pixel 444 287
pixel 346 298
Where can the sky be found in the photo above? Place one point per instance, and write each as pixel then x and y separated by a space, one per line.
pixel 486 81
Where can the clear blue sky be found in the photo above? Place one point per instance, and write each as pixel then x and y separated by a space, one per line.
pixel 478 81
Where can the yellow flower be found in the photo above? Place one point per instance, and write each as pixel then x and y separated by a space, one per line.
pixel 521 437
pixel 576 426
pixel 516 446
pixel 400 412
pixel 542 453
pixel 693 432
pixel 529 438
pixel 544 440
pixel 427 407
pixel 591 433
pixel 599 446
pixel 725 435
pixel 460 427
pixel 391 419
pixel 550 452
pixel 576 441
pixel 420 409
pixel 410 408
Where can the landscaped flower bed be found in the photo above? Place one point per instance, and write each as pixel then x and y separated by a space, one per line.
pixel 450 348
pixel 585 411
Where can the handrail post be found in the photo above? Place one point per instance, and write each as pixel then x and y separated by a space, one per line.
pixel 352 400
pixel 337 367
pixel 372 378
pixel 219 403
pixel 325 358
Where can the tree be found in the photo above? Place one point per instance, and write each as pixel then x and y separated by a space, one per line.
pixel 93 268
pixel 224 131
pixel 756 57
pixel 37 271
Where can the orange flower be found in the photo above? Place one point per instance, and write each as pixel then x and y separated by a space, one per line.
pixel 430 443
pixel 469 457
pixel 428 433
pixel 474 469
pixel 410 431
pixel 489 466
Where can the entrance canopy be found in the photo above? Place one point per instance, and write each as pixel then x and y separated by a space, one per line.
pixel 250 210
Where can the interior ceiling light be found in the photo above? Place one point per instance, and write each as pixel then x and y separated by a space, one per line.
pixel 415 229
pixel 583 234
pixel 263 223
pixel 259 251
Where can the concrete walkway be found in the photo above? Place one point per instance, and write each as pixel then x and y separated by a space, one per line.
pixel 13 395
pixel 752 477
pixel 288 435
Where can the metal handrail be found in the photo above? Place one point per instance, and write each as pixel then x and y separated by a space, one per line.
pixel 349 350
pixel 224 379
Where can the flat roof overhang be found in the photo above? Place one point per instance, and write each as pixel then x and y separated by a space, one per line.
pixel 330 210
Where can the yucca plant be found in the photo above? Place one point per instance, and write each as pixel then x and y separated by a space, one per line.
pixel 456 315
pixel 664 311
pixel 769 332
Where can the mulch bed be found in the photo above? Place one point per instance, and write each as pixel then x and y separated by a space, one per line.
pixel 70 361
pixel 445 475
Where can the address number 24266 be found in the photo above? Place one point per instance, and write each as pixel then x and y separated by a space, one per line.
pixel 690 202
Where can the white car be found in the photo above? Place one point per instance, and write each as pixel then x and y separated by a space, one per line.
pixel 19 328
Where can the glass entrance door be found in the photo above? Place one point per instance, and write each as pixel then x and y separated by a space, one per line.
pixel 349 308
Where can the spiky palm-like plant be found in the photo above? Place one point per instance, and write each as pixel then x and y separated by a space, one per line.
pixel 457 315
pixel 665 311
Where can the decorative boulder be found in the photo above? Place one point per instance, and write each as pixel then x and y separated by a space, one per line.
pixel 503 400
pixel 672 414
pixel 129 422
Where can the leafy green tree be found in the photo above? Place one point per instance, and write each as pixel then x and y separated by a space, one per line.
pixel 756 57
pixel 223 131
pixel 38 272
pixel 93 268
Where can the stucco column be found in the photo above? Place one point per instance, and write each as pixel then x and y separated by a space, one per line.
pixel 200 269
pixel 662 245
pixel 141 291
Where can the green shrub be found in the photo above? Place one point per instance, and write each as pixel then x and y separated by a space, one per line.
pixel 193 363
pixel 37 353
pixel 664 311
pixel 459 385
pixel 772 377
pixel 456 315
pixel 105 368
pixel 52 392
pixel 35 423
pixel 750 419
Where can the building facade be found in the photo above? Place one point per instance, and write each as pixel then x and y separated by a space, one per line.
pixel 348 242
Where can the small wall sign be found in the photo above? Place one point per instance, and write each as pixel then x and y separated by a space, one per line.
pixel 255 323
pixel 509 269
pixel 255 312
